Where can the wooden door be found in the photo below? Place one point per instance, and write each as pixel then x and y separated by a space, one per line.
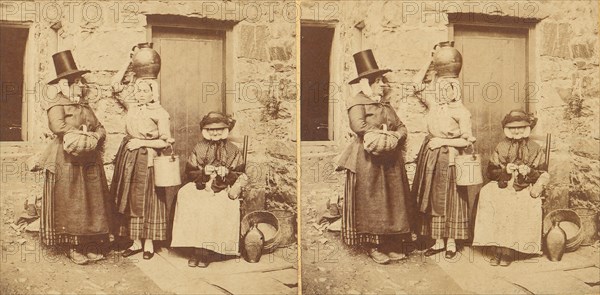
pixel 191 80
pixel 494 79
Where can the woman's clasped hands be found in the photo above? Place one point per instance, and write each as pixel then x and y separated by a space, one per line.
pixel 521 169
pixel 435 143
pixel 219 170
pixel 134 144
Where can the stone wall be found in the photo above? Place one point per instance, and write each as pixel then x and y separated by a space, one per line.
pixel 401 34
pixel 100 35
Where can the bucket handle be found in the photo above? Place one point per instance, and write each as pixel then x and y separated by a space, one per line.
pixel 172 151
pixel 473 150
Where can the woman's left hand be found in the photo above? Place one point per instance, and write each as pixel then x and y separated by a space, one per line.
pixel 134 144
pixel 435 143
pixel 222 171
pixel 524 170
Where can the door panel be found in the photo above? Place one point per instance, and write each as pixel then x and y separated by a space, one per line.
pixel 494 75
pixel 191 81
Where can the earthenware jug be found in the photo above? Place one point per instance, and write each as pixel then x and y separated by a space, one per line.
pixel 556 241
pixel 253 244
pixel 145 61
pixel 446 60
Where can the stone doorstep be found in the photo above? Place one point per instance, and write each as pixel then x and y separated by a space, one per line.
pixel 523 276
pixel 167 278
pixel 555 282
pixel 267 263
pixel 169 270
pixel 588 275
pixel 251 283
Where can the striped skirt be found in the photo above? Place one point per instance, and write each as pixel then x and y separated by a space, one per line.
pixel 48 233
pixel 455 223
pixel 349 234
pixel 443 207
pixel 133 184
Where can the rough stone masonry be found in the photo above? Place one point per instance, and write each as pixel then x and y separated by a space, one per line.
pixel 100 35
pixel 567 54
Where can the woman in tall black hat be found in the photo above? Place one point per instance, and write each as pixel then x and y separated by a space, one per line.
pixel 376 209
pixel 75 203
pixel 509 211
pixel 207 213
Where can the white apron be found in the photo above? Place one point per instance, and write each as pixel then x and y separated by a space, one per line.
pixel 508 218
pixel 204 219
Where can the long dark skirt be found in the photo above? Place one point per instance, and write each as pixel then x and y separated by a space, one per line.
pixel 435 186
pixel 53 236
pixel 350 234
pixel 141 210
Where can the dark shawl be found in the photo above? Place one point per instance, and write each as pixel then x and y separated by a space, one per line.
pixel 215 153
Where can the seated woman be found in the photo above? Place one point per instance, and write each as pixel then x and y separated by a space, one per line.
pixel 509 213
pixel 207 213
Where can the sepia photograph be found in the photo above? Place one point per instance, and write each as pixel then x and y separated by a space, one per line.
pixel 299 147
pixel 449 147
pixel 148 147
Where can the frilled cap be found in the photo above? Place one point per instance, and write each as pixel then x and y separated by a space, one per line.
pixel 518 118
pixel 216 120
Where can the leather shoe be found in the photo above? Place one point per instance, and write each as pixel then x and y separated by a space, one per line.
pixel 77 258
pixel 129 252
pixel 193 261
pixel 397 256
pixel 202 264
pixel 148 255
pixel 450 254
pixel 505 261
pixel 378 257
pixel 94 256
pixel 431 252
pixel 495 261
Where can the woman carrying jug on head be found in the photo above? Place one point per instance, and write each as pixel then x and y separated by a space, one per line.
pixel 140 206
pixel 443 208
pixel 75 203
pixel 377 206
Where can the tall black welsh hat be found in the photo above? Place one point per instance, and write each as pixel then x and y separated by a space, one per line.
pixel 366 66
pixel 65 66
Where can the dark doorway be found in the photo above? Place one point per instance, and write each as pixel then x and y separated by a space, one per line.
pixel 315 51
pixel 12 55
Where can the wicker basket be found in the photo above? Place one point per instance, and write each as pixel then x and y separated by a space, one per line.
pixel 287 227
pixel 380 141
pixel 570 222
